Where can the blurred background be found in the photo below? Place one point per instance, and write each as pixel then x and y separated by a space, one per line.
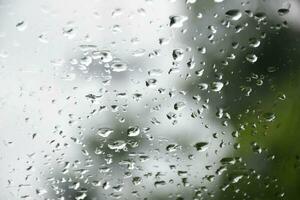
pixel 149 99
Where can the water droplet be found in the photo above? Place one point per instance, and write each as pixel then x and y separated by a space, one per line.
pixel 151 82
pixel 201 146
pixel 269 116
pixel 139 52
pixel 104 132
pixel 178 54
pixel 217 86
pixel 252 58
pixel 163 41
pixel 136 180
pixel 253 42
pixel 119 67
pixel 155 72
pixel 177 21
pixel 228 161
pixel 179 105
pixel 69 33
pixel 283 11
pixel 117 145
pixel 116 12
pixel 260 16
pixel 191 1
pixel 281 96
pixel 104 55
pixel 159 183
pixel 21 26
pixel 202 50
pixel 203 86
pixel 236 178
pixel 272 69
pixel 86 60
pixel 234 14
pixel 172 147
pixel 133 131
pixel 199 15
pixel 199 72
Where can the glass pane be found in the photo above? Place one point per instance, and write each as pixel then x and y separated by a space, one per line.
pixel 149 99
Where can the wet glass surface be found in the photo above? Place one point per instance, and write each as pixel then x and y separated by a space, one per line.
pixel 150 99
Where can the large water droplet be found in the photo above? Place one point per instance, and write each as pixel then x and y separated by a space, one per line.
pixel 253 42
pixel 133 131
pixel 234 14
pixel 269 116
pixel 178 54
pixel 179 105
pixel 217 86
pixel 283 11
pixel 201 146
pixel 252 58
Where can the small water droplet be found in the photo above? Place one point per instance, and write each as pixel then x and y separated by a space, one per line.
pixel 21 26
